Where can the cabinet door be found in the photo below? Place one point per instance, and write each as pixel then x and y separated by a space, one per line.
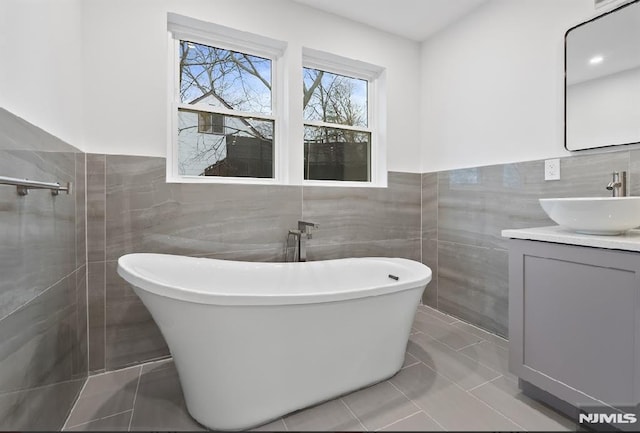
pixel 574 320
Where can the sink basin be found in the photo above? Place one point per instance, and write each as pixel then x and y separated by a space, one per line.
pixel 594 215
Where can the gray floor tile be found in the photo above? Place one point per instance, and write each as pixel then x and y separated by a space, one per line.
pixel 485 335
pixel 462 370
pixel 448 404
pixel 159 402
pixel 118 422
pixel 161 363
pixel 409 359
pixel 42 408
pixel 330 416
pixel 417 422
pixel 277 425
pixel 504 396
pixel 437 313
pixel 379 405
pixel 494 357
pixel 104 395
pixel 420 397
pixel 444 332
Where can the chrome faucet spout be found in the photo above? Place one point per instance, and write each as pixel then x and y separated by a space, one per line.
pixel 302 234
pixel 304 225
pixel 618 185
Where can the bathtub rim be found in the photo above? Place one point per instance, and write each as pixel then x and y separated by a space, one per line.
pixel 422 276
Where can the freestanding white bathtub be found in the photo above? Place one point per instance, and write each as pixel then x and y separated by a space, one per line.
pixel 254 341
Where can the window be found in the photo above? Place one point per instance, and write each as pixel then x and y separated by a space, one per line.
pixel 229 98
pixel 225 111
pixel 210 123
pixel 215 82
pixel 342 120
pixel 337 141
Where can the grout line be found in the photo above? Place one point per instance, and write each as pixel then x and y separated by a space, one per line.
pixel 438 339
pixel 135 395
pixel 98 419
pixel 39 387
pixel 405 395
pixel 102 373
pixel 38 295
pixel 397 421
pixel 421 225
pixel 354 415
pixel 104 264
pixel 426 309
pixel 482 330
pixel 86 256
pixel 470 345
pixel 411 365
pixel 451 347
pixel 502 376
pixel 437 236
pixel 66 421
pixel 476 246
pixel 443 323
pixel 455 383
pixel 464 322
pixel 457 351
pixel 414 403
pixel 477 361
pixel 467 392
pixel 497 411
pixel 484 383
pixel 286 428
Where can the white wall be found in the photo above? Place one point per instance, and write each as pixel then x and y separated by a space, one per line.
pixel 493 84
pixel 125 64
pixel 605 110
pixel 41 64
pixel 486 90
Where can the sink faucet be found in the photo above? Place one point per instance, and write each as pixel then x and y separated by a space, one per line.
pixel 618 185
pixel 302 234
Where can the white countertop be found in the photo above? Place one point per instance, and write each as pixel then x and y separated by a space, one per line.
pixel 630 241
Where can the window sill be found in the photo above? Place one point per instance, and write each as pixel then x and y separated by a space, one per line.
pixel 222 180
pixel 272 182
pixel 340 184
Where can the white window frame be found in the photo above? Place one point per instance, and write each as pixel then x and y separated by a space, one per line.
pixel 190 29
pixel 288 141
pixel 376 111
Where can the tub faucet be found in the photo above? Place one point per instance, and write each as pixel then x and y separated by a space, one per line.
pixel 618 185
pixel 304 233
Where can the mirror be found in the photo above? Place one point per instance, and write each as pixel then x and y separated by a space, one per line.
pixel 602 80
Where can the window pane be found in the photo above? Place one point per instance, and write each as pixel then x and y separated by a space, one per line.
pixel 244 148
pixel 336 154
pixel 224 78
pixel 211 123
pixel 334 98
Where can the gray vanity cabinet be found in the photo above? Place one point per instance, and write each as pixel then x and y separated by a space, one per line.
pixel 574 321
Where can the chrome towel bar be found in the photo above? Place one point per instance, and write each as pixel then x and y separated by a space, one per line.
pixel 24 185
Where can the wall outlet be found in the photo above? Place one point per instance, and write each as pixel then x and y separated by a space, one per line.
pixel 552 169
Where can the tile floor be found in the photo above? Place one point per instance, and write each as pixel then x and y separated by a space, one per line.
pixel 454 378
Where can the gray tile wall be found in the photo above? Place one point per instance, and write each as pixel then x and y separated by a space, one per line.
pixel 473 205
pixel 450 220
pixel 132 209
pixel 64 310
pixel 43 304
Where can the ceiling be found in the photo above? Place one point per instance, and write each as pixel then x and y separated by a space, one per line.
pixel 412 19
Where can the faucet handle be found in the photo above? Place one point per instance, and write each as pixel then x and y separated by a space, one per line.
pixel 304 225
